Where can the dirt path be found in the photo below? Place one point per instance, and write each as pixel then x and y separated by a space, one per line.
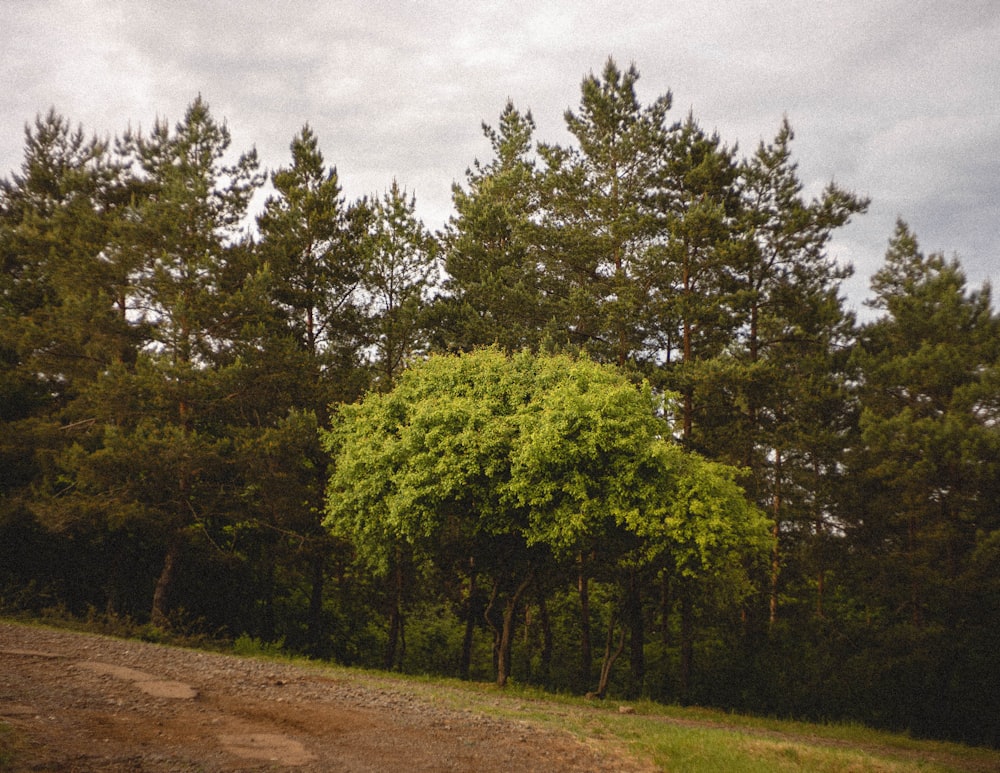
pixel 77 702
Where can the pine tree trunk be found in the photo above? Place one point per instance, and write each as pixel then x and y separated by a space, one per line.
pixel 491 622
pixel 164 583
pixel 688 348
pixel 911 549
pixel 504 645
pixel 114 579
pixel 665 609
pixel 268 623
pixel 775 545
pixel 820 589
pixel 818 537
pixel 392 642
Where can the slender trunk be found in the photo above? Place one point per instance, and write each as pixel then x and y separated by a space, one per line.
pixel 402 639
pixel 547 640
pixel 610 656
pixel 586 653
pixel 507 634
pixel 465 663
pixel 161 594
pixel 687 644
pixel 911 537
pixel 752 407
pixel 665 608
pixel 268 621
pixel 620 278
pixel 687 335
pixel 637 634
pixel 819 533
pixel 311 342
pixel 820 583
pixel 114 578
pixel 389 660
pixel 392 651
pixel 488 617
pixel 526 642
pixel 315 624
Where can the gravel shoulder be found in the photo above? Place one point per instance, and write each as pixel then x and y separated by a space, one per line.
pixel 79 702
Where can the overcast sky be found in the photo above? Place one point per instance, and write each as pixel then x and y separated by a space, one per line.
pixel 898 100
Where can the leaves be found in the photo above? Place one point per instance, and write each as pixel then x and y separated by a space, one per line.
pixel 560 453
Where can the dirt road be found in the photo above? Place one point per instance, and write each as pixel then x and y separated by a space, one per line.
pixel 76 702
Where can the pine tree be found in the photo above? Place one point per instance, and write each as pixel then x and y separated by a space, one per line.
pixel 312 358
pixel 793 326
pixel 598 219
pixel 63 322
pixel 492 291
pixel 64 285
pixel 158 457
pixel 310 243
pixel 929 366
pixel 925 523
pixel 400 271
pixel 188 231
pixel 689 271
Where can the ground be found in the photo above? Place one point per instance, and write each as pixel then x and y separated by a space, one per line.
pixel 77 702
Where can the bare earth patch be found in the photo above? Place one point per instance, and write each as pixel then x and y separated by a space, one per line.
pixel 78 702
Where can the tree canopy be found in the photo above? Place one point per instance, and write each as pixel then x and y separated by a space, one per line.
pixel 535 457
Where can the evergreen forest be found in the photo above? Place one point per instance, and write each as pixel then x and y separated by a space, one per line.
pixel 611 430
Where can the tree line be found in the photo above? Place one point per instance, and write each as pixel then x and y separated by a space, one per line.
pixel 317 423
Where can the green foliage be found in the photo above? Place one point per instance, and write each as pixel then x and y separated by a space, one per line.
pixel 493 282
pixel 251 646
pixel 408 459
pixel 400 259
pixel 312 265
pixel 930 439
pixel 521 462
pixel 598 218
pixel 551 449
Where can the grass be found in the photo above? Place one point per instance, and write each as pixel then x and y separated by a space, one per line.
pixel 11 745
pixel 700 740
pixel 720 748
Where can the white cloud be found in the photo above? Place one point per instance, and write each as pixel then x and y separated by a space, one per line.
pixel 895 99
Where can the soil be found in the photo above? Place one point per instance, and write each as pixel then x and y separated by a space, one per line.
pixel 79 702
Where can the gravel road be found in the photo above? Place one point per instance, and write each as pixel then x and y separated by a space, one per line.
pixel 78 702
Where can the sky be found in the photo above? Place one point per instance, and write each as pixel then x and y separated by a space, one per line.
pixel 896 100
